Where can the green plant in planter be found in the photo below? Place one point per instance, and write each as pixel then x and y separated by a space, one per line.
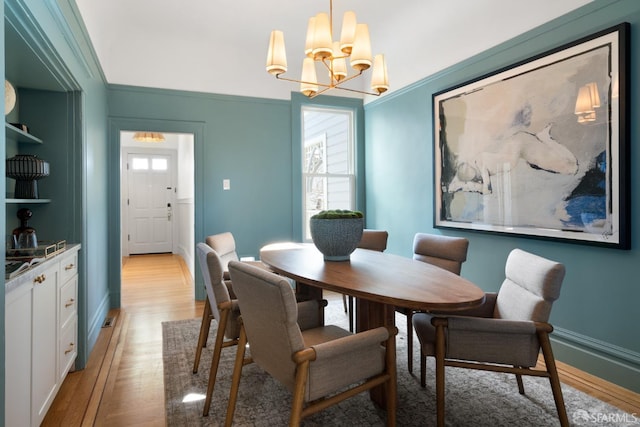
pixel 338 213
pixel 336 233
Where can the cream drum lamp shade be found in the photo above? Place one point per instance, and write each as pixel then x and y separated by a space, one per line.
pixel 9 97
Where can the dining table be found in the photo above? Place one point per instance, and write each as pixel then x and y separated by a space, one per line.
pixel 379 281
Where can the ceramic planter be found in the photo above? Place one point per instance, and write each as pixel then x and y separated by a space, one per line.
pixel 336 238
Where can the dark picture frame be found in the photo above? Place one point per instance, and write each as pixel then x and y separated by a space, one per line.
pixel 541 148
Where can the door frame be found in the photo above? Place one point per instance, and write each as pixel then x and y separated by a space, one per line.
pixel 116 126
pixel 126 151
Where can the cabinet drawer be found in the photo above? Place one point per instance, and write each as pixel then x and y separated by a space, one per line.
pixel 68 266
pixel 68 348
pixel 68 301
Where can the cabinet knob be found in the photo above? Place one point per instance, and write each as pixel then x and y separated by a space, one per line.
pixel 69 267
pixel 70 303
pixel 40 278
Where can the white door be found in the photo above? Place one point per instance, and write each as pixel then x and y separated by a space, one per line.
pixel 150 195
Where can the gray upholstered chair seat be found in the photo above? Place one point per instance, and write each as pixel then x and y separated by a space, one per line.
pixel 320 365
pixel 221 305
pixel 446 252
pixel 505 334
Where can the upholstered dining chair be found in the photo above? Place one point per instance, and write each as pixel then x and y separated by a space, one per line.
pixel 225 246
pixel 375 240
pixel 505 334
pixel 447 252
pixel 320 365
pixel 220 305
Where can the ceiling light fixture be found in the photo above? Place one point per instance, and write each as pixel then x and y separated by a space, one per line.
pixel 354 45
pixel 148 137
pixel 587 102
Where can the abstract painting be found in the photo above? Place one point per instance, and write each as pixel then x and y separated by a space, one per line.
pixel 540 148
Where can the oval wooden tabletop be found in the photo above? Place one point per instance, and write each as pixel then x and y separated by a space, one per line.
pixel 375 276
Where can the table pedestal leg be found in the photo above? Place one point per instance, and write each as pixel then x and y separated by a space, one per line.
pixel 308 293
pixel 370 315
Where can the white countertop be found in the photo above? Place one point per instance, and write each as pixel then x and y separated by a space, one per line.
pixel 31 273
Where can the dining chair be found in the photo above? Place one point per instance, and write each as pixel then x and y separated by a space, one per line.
pixel 225 246
pixel 505 334
pixel 220 305
pixel 320 365
pixel 375 240
pixel 446 252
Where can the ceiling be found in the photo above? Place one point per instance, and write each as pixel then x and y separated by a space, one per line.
pixel 220 47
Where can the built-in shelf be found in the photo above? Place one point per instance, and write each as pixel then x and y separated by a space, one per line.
pixel 31 201
pixel 20 135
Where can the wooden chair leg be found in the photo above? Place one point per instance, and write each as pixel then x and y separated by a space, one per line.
pixel 410 340
pixel 302 373
pixel 204 334
pixel 520 383
pixel 440 352
pixel 237 373
pixel 215 360
pixel 392 382
pixel 423 369
pixel 550 363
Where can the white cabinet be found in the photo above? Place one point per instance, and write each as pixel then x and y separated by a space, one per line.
pixel 43 342
pixel 41 333
pixel 67 313
pixel 18 356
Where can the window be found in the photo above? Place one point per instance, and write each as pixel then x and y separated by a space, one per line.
pixel 140 163
pixel 159 164
pixel 328 171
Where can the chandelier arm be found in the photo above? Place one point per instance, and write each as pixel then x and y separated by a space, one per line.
pixel 356 91
pixel 278 76
pixel 332 75
pixel 327 87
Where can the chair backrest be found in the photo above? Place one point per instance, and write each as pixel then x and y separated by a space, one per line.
pixel 269 314
pixel 212 273
pixel 225 245
pixel 442 251
pixel 531 285
pixel 375 240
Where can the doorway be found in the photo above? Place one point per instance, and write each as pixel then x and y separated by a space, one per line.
pixel 157 196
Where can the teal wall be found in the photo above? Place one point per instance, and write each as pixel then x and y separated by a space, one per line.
pixel 75 119
pixel 597 314
pixel 247 140
pixel 250 141
pixel 3 146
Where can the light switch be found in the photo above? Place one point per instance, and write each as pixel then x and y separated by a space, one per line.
pixel 226 184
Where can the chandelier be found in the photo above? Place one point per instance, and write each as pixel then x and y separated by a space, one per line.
pixel 148 137
pixel 320 48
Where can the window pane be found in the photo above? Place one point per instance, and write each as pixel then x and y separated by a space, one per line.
pixel 335 128
pixel 140 163
pixel 327 162
pixel 159 164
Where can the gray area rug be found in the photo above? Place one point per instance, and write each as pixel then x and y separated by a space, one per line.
pixel 473 398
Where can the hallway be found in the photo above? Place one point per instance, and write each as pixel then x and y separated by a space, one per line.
pixel 122 384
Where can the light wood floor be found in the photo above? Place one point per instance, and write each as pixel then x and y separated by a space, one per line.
pixel 122 384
